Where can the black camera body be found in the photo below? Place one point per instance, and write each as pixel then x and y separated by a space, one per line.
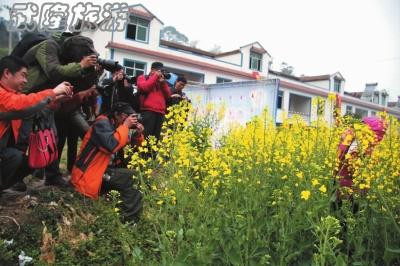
pixel 130 79
pixel 109 65
pixel 166 73
pixel 139 118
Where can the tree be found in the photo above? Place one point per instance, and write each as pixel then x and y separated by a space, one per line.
pixel 171 34
pixel 286 68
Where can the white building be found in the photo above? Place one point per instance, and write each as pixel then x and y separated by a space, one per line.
pixel 140 45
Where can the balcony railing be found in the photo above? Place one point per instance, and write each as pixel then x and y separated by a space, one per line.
pixel 306 117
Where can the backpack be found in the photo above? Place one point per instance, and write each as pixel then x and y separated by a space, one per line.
pixel 27 42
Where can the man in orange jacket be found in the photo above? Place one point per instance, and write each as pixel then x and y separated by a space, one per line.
pixel 94 169
pixel 13 107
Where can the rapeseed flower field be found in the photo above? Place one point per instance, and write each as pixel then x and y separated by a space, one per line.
pixel 265 195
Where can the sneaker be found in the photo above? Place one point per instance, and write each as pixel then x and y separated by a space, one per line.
pixel 58 181
pixel 20 186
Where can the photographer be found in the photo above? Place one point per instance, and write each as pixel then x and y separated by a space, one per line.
pixel 62 57
pixel 154 92
pixel 115 89
pixel 94 167
pixel 15 106
pixel 177 94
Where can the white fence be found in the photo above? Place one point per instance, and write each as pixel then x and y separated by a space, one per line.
pixel 241 100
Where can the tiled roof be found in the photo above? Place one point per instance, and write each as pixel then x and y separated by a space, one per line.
pixel 357 94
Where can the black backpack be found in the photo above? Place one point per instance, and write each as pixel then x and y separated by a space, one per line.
pixel 27 42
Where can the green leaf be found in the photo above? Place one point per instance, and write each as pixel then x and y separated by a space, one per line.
pixel 137 253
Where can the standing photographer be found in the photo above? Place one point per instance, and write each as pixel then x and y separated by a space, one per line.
pixel 94 168
pixel 115 89
pixel 177 92
pixel 154 92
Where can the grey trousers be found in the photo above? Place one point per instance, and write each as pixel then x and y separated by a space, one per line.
pixel 120 179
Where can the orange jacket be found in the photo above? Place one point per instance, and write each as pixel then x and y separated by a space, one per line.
pixel 99 144
pixel 14 106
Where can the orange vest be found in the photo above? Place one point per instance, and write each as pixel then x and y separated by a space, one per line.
pixel 99 144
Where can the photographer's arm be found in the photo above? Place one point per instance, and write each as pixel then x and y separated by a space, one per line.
pixel 17 106
pixel 145 86
pixel 165 89
pixel 108 139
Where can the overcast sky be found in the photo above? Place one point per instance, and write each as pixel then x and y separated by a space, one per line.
pixel 358 38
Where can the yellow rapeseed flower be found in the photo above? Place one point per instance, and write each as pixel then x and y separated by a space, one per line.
pixel 322 189
pixel 305 194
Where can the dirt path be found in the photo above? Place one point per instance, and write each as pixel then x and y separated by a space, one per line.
pixel 15 206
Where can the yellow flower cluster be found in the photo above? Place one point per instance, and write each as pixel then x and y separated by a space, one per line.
pixel 293 161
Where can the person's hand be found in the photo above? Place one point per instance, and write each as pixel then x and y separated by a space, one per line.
pixel 131 121
pixel 64 88
pixel 159 73
pixel 99 69
pixel 92 91
pixel 139 129
pixel 88 61
pixel 126 83
pixel 118 76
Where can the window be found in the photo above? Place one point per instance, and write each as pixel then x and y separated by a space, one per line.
pixel 349 109
pixel 134 68
pixel 255 61
pixel 361 113
pixel 336 85
pixel 280 100
pixel 373 113
pixel 137 29
pixel 223 80
pixel 383 100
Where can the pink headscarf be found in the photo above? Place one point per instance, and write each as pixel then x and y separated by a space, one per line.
pixel 377 125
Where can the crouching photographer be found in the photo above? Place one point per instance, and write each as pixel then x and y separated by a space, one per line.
pixel 94 169
pixel 118 88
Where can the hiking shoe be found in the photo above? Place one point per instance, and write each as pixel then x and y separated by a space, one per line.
pixel 58 181
pixel 19 186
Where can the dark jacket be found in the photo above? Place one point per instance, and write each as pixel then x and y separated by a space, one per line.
pixel 46 68
pixel 176 100
pixel 114 92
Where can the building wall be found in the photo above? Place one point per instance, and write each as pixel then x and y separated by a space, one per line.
pixel 210 77
pixel 320 83
pixel 232 59
pixel 98 38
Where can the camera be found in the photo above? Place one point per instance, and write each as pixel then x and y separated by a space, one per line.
pixel 165 73
pixel 139 117
pixel 109 65
pixel 130 79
